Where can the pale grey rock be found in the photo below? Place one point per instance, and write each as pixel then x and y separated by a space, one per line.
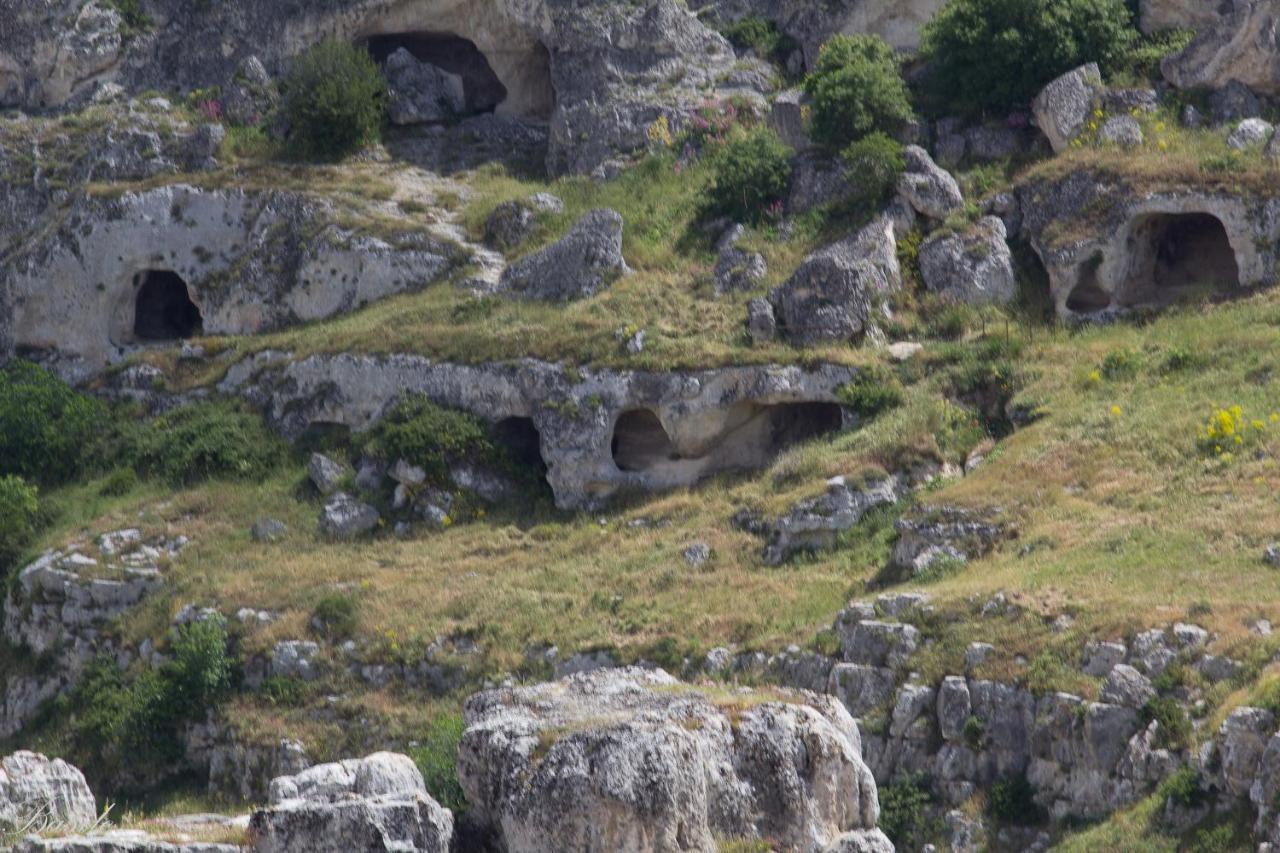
pixel 1127 687
pixel 1190 637
pixel 836 293
pixel 697 554
pixel 861 841
pixel 379 774
pixel 119 541
pixel 579 265
pixel 294 659
pixel 1251 133
pixel 1100 658
pixel 737 269
pixel 1128 100
pixel 1242 739
pixel 117 841
pixel 344 517
pixel 1217 668
pixel 974 267
pixel 34 786
pixel 546 203
pixel 666 766
pixel 947 532
pixel 976 655
pixel 268 530
pixel 1233 45
pixel 582 662
pixel 818 180
pixel 863 689
pixel 1151 653
pixel 786 117
pixel 1234 102
pixel 1271 556
pixel 238 768
pixel 1123 130
pixel 930 190
pixel 407 474
pixel 419 92
pixel 814 524
pixel 954 707
pixel 901 605
pixel 1063 107
pixel 718 660
pixel 912 716
pixel 762 324
pixel 325 474
pixel 879 644
pixel 509 225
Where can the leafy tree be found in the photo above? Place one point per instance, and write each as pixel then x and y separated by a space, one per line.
pixel 334 100
pixel 46 427
pixel 995 55
pixel 856 90
pixel 875 162
pixel 18 513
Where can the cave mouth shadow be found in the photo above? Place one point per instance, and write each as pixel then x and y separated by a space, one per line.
pixel 163 310
pixel 1174 256
pixel 480 84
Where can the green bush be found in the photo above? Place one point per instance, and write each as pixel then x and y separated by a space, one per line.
pixel 119 482
pixel 1175 726
pixel 207 441
pixel 751 172
pixel 974 730
pixel 996 55
pixel 335 616
pixel 874 162
pixel 1013 801
pixel 876 390
pixel 334 101
pixel 904 814
pixel 46 427
pixel 437 759
pixel 762 36
pixel 1183 788
pixel 856 90
pixel 19 510
pixel 432 437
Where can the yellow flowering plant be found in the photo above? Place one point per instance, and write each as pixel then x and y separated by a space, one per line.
pixel 1228 431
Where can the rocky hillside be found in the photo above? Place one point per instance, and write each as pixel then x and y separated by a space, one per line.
pixel 543 425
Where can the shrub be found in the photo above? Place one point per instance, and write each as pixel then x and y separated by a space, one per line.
pixel 46 428
pixel 1183 788
pixel 875 162
pixel 974 729
pixel 437 759
pixel 1121 364
pixel 876 390
pixel 207 441
pixel 19 511
pixel 997 54
pixel 335 616
pixel 333 101
pixel 761 36
pixel 119 482
pixel 751 173
pixel 856 90
pixel 904 814
pixel 1175 726
pixel 432 437
pixel 1013 801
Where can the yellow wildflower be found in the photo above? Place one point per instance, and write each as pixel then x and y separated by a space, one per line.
pixel 1115 410
pixel 1095 376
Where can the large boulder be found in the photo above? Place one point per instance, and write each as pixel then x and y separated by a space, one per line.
pixel 974 267
pixel 48 791
pixel 927 187
pixel 835 293
pixel 419 92
pixel 344 517
pixel 375 803
pixel 581 264
pixel 1235 40
pixel 1062 109
pixel 633 760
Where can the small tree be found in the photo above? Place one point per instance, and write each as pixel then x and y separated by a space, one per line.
pixel 334 100
pixel 751 172
pixel 18 509
pixel 46 427
pixel 856 90
pixel 874 162
pixel 998 54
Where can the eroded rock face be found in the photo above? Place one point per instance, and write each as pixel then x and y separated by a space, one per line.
pixel 234 261
pixel 33 786
pixel 578 265
pixel 1063 107
pixel 373 803
pixel 639 762
pixel 898 22
pixel 1109 246
pixel 1235 40
pixel 974 267
pixel 600 433
pixel 419 92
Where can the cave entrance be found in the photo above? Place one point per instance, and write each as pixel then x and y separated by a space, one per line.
pixel 1174 255
pixel 482 88
pixel 794 423
pixel 1088 296
pixel 640 442
pixel 521 439
pixel 163 310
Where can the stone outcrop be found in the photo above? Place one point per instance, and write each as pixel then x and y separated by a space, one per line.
pixel 974 267
pixel 632 760
pixel 598 433
pixel 1109 245
pixel 419 92
pixel 898 22
pixel 374 803
pixel 36 792
pixel 1063 108
pixel 814 524
pixel 838 292
pixel 932 534
pixel 240 262
pixel 578 265
pixel 1235 41
pixel 927 187
pixel 118 841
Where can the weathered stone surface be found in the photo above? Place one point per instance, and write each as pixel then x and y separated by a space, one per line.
pixel 880 644
pixel 580 264
pixel 239 768
pixel 509 225
pixel 1128 687
pixel 737 269
pixel 419 92
pixel 974 267
pixel 117 841
pixel 638 762
pixel 1251 133
pixel 380 774
pixel 716 420
pixel 837 292
pixel 268 530
pixel 325 474
pixel 1235 41
pixel 929 189
pixel 935 533
pixel 863 689
pixel 33 786
pixel 1121 130
pixel 1100 658
pixel 762 323
pixel 898 22
pixel 1063 107
pixel 786 117
pixel 344 517
pixel 814 524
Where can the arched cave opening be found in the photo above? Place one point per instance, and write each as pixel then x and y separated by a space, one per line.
pixel 641 442
pixel 482 88
pixel 1173 254
pixel 521 439
pixel 1088 296
pixel 795 423
pixel 163 310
